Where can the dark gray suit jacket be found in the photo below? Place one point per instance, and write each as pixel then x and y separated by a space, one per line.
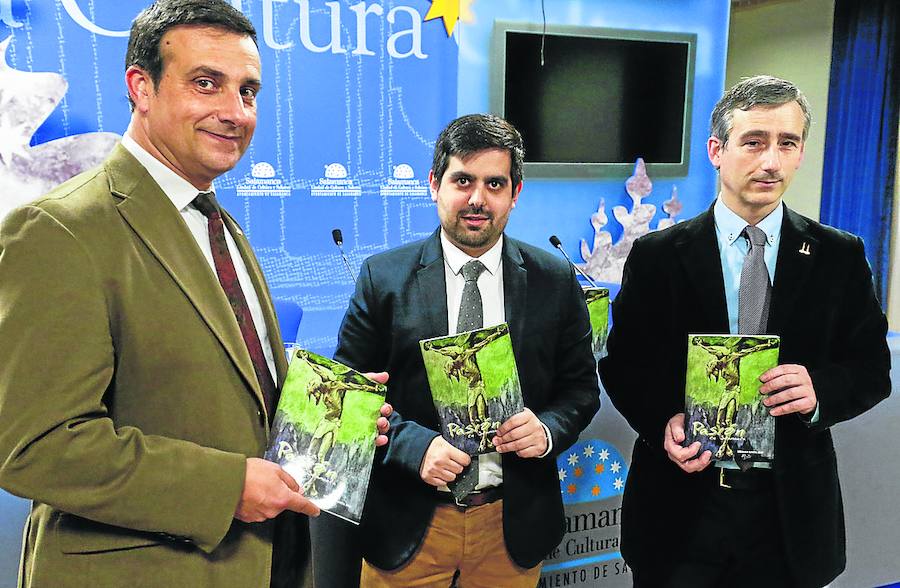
pixel 825 310
pixel 401 298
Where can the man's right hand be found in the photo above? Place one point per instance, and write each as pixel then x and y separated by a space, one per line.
pixel 269 490
pixel 684 457
pixel 442 463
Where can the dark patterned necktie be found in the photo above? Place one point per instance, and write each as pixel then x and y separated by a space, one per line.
pixel 471 317
pixel 206 203
pixel 755 290
pixel 471 311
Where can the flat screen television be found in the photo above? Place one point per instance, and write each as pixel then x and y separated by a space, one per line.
pixel 601 99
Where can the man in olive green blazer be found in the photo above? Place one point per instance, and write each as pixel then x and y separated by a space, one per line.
pixel 130 411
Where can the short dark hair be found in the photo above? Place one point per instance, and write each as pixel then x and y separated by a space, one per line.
pixel 751 92
pixel 476 132
pixel 154 22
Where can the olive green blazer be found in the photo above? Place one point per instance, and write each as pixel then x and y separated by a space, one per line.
pixel 128 401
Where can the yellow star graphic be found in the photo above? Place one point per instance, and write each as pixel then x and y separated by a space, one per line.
pixel 450 11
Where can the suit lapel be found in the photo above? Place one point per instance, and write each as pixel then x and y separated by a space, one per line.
pixel 515 289
pixel 159 225
pixel 796 256
pixel 432 285
pixel 698 252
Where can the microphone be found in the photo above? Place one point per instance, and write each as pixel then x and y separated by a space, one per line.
pixel 339 241
pixel 554 240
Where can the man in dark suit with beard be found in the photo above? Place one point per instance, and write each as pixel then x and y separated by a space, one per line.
pixel 499 534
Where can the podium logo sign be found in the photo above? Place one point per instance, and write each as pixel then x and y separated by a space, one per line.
pixel 403 183
pixel 262 182
pixel 591 470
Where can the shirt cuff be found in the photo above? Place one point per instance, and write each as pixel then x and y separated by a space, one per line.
pixel 810 419
pixel 550 440
pixel 814 418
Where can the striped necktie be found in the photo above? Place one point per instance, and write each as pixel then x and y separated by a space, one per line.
pixel 206 203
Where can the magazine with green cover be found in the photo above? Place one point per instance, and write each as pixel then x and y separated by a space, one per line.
pixel 474 385
pixel 723 406
pixel 597 300
pixel 324 432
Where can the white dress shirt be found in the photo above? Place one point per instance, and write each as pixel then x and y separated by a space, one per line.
pixel 182 194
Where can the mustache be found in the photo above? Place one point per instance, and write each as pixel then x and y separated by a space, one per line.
pixel 768 178
pixel 479 210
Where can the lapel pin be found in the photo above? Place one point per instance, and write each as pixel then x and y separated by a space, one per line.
pixel 804 249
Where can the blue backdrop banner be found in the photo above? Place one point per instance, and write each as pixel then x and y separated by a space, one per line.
pixel 354 95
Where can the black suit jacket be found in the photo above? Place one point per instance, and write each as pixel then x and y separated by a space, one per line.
pixel 401 298
pixel 825 310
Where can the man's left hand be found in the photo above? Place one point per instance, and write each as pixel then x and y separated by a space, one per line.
pixel 522 433
pixel 386 409
pixel 789 389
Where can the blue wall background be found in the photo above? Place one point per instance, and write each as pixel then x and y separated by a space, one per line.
pixel 371 98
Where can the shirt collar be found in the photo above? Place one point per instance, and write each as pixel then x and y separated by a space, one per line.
pixel 180 191
pixel 455 258
pixel 730 225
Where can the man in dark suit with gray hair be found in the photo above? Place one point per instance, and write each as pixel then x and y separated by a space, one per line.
pixel 748 265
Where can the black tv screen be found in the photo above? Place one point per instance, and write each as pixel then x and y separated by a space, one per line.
pixel 601 98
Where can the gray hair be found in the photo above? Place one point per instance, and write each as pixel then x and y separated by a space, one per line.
pixel 752 92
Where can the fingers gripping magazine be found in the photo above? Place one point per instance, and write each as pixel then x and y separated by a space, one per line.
pixel 723 406
pixel 324 432
pixel 475 388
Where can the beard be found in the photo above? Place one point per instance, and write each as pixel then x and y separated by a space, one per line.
pixel 460 234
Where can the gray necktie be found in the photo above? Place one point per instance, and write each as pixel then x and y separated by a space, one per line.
pixel 471 311
pixel 471 316
pixel 755 290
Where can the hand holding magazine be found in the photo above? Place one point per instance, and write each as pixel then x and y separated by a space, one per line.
pixel 324 432
pixel 475 387
pixel 723 406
